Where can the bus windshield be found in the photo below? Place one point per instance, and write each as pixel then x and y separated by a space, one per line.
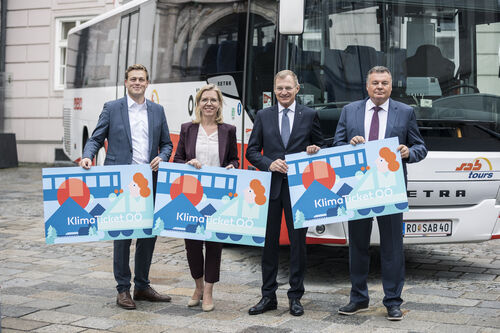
pixel 444 61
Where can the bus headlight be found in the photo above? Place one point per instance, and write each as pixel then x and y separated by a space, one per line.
pixel 320 229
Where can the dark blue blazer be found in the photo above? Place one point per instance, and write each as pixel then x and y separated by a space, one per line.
pixel 265 144
pixel 114 125
pixel 401 123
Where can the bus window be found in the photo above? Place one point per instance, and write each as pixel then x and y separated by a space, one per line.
pixel 206 43
pixel 443 60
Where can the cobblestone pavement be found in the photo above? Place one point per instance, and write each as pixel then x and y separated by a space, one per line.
pixel 70 288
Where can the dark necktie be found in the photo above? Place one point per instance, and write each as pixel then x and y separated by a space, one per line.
pixel 285 127
pixel 375 124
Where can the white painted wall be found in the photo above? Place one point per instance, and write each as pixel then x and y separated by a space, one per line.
pixel 33 108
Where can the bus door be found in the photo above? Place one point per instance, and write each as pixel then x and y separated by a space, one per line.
pixel 129 25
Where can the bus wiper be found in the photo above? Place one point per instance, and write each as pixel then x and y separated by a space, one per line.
pixel 487 130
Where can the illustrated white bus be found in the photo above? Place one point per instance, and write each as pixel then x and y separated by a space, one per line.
pixel 443 55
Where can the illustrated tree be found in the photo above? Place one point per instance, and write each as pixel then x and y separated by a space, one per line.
pixel 299 217
pixel 51 234
pixel 92 231
pixel 159 226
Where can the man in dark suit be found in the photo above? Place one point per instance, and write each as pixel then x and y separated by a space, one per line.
pixel 137 133
pixel 282 129
pixel 379 117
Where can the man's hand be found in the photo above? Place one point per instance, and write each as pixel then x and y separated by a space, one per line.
pixel 194 162
pixel 279 166
pixel 155 163
pixel 229 166
pixel 357 140
pixel 312 149
pixel 405 151
pixel 86 163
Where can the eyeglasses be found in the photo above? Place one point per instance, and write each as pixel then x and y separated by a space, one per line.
pixel 287 89
pixel 211 100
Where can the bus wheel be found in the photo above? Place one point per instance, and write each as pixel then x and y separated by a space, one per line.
pixel 258 240
pixel 114 233
pixel 401 206
pixel 235 238
pixel 127 232
pixel 221 235
pixel 378 209
pixel 365 211
pixel 148 231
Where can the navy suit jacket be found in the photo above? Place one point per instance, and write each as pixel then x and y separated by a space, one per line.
pixel 114 125
pixel 265 144
pixel 228 151
pixel 401 122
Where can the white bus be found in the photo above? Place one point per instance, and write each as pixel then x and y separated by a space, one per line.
pixel 444 57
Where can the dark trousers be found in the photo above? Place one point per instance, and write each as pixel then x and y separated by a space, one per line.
pixel 391 255
pixel 270 255
pixel 208 266
pixel 144 248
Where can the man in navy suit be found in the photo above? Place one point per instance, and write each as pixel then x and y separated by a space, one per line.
pixel 137 133
pixel 282 129
pixel 375 118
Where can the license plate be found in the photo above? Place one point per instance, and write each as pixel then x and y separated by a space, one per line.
pixel 427 228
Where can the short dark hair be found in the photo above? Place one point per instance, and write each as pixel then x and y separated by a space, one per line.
pixel 378 69
pixel 136 67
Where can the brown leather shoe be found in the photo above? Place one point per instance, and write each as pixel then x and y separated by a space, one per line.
pixel 150 295
pixel 124 300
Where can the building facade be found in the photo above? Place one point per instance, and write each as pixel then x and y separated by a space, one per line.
pixel 36 32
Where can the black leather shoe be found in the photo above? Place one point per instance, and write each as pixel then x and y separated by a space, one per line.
pixel 296 309
pixel 353 308
pixel 394 313
pixel 265 304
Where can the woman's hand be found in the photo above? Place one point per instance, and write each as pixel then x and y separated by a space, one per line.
pixel 194 162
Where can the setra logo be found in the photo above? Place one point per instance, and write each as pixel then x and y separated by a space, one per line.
pixel 77 103
pixel 479 168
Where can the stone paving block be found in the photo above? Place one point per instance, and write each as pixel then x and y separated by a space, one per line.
pixel 179 310
pixel 432 307
pixel 57 328
pixel 440 300
pixel 22 324
pixel 303 325
pixel 17 311
pixel 93 310
pixel 20 282
pixel 356 320
pixel 482 296
pixel 14 299
pixel 448 275
pixel 10 271
pixel 264 329
pixel 481 312
pixel 219 315
pixel 45 304
pixel 55 317
pixel 438 317
pixel 466 269
pixel 436 292
pixel 490 304
pixel 96 323
pixel 135 316
pixel 450 328
pixel 483 321
pixel 477 276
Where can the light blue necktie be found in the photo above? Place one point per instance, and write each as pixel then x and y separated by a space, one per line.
pixel 285 127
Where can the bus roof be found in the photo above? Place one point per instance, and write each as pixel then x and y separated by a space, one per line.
pixel 108 14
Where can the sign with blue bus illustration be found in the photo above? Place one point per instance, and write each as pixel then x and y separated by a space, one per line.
pixel 345 183
pixel 212 204
pixel 103 203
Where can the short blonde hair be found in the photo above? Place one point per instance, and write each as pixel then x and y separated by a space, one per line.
pixel 283 74
pixel 197 111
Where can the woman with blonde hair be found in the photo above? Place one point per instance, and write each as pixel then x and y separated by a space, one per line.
pixel 206 141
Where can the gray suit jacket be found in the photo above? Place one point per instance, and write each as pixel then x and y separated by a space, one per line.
pixel 114 125
pixel 401 122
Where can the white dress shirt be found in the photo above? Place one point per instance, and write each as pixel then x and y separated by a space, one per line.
pixel 139 131
pixel 382 118
pixel 207 148
pixel 290 114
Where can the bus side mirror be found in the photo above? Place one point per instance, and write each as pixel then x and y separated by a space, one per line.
pixel 291 17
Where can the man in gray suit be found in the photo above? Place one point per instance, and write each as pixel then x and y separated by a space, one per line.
pixel 137 133
pixel 379 117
